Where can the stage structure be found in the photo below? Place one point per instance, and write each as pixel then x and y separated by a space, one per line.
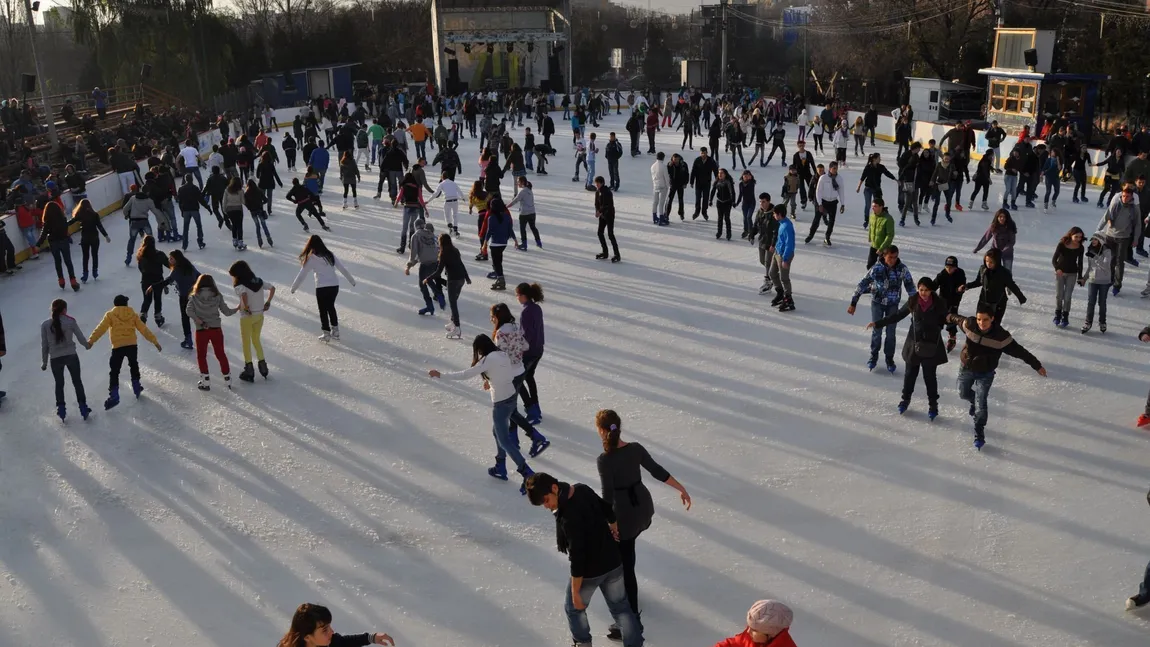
pixel 501 44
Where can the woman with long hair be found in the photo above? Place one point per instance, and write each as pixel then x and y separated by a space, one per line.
pixel 509 337
pixel 996 281
pixel 859 132
pixel 1052 174
pixel 1001 235
pixel 184 275
pixel 621 486
pixel 311 627
pixel 233 207
pixel 90 231
pixel 500 230
pixel 479 200
pixel 255 200
pixel 530 295
pixel 55 232
pixel 250 289
pixel 451 263
pixel 58 337
pixel 317 259
pixel 923 348
pixel 151 263
pixel 525 198
pixel 723 197
pixel 267 176
pixel 349 175
pixel 1068 271
pixel 204 308
pixel 498 379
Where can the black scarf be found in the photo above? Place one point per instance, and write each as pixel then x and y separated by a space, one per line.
pixel 255 284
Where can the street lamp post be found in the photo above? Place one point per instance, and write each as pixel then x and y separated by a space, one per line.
pixel 49 117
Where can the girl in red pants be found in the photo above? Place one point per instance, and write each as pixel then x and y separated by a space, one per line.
pixel 204 307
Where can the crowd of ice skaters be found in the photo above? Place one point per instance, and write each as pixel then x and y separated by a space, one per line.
pixel 597 531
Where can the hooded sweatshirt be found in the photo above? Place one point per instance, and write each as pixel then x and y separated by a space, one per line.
pixel 138 207
pixel 51 347
pixel 123 322
pixel 424 247
pixel 204 308
pixel 1121 220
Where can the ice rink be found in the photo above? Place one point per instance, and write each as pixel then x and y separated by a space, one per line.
pixel 351 479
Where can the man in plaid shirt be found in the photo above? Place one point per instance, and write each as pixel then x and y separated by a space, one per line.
pixel 885 282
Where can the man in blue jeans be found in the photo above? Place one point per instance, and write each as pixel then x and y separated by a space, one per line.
pixel 885 282
pixel 586 531
pixel 986 341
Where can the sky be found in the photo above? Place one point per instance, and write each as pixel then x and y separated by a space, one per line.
pixel 670 6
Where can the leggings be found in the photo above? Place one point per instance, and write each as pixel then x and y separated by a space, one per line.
pixel 325 300
pixel 310 208
pixel 527 388
pixel 72 363
pixel 155 295
pixel 250 331
pixel 630 581
pixel 497 259
pixel 235 220
pixel 62 254
pixel 454 288
pixel 349 185
pixel 185 321
pixel 215 337
pixel 980 184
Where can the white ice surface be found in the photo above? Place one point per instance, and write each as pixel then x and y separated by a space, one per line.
pixel 351 479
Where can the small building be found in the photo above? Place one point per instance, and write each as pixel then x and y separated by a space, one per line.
pixel 500 44
pixel 1023 91
pixel 289 88
pixel 942 101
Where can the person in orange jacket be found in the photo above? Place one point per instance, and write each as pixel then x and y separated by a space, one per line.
pixel 419 134
pixel 768 623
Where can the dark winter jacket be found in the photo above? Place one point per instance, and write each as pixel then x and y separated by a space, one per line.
pixel 215 185
pixel 152 267
pixel 723 191
pixel 872 176
pixel 394 159
pixel 703 171
pixel 299 194
pixel 605 203
pixel 614 150
pixel 994 285
pixel 184 281
pixel 189 198
pixel 254 200
pixel 981 352
pixel 531 323
pixel 90 226
pixel 747 196
pixel 679 173
pixel 451 262
pixel 946 286
pixel 582 531
pixel 765 227
pixel 924 339
pixel 266 176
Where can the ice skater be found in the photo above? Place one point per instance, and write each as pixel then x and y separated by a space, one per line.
pixel 317 259
pixel 122 323
pixel 58 337
pixel 205 305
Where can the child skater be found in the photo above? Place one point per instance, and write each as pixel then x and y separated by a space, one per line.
pixel 204 308
pixel 768 623
pixel 121 323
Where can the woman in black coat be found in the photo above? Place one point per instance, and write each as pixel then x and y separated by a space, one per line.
pixel 923 347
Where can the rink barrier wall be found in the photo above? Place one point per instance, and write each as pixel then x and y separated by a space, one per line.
pixel 104 191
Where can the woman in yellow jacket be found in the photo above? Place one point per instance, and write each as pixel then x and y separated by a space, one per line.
pixel 121 324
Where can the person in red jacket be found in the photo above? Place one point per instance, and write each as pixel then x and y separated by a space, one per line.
pixel 652 126
pixel 768 623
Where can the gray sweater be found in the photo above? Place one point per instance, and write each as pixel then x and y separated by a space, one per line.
pixel 1121 220
pixel 424 248
pixel 50 347
pixel 526 201
pixel 138 207
pixel 206 306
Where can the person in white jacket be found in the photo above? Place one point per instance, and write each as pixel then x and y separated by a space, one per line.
pixel 661 181
pixel 317 259
pixel 499 380
pixel 830 200
pixel 840 140
pixel 451 197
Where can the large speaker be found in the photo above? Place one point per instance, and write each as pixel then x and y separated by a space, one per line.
pixel 28 82
pixel 146 71
pixel 289 81
pixel 453 70
pixel 1031 57
pixel 545 86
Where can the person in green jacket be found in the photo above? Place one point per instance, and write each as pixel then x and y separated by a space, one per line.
pixel 880 230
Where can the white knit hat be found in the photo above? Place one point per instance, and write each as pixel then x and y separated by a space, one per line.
pixel 769 617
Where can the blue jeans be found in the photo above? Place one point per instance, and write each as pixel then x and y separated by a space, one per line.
pixel 878 311
pixel 590 172
pixel 421 149
pixel 529 155
pixel 748 216
pixel 868 198
pixel 615 593
pixel 1010 190
pixel 195 172
pixel 974 387
pixel 1052 184
pixel 189 216
pixel 375 146
pixel 507 443
pixel 1096 293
